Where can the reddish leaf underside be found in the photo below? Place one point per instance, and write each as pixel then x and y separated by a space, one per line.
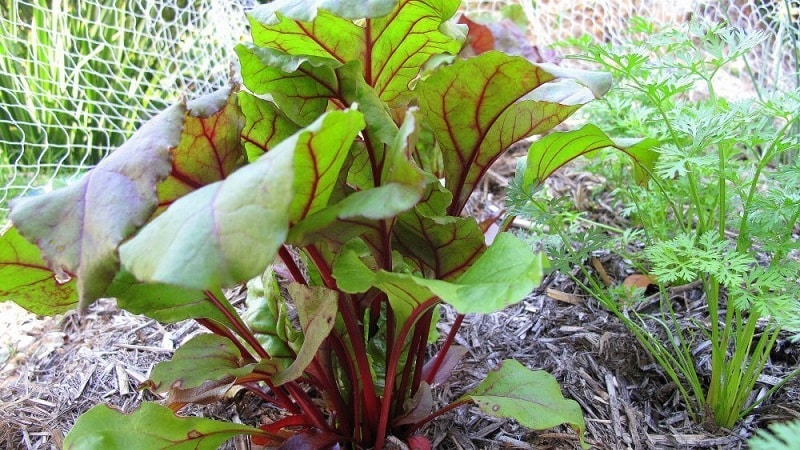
pixel 79 227
pixel 480 36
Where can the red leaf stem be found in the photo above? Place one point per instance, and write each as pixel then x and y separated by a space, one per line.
pixel 279 399
pixel 322 267
pixel 421 331
pixel 327 379
pixel 370 399
pixel 220 330
pixel 307 406
pixel 418 348
pixel 391 368
pixel 439 358
pixel 240 327
pixel 435 414
pixel 355 411
pixel 290 264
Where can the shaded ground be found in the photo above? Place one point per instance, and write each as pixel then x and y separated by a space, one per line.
pixel 55 369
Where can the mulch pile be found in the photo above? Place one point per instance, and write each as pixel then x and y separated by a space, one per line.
pixel 54 369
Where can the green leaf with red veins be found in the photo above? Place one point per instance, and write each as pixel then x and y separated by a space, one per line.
pixel 393 45
pixel 78 227
pixel 556 149
pixel 328 36
pixel 318 161
pixel 532 397
pixel 478 107
pixel 26 280
pixel 265 125
pixel 400 43
pixel 301 86
pixel 207 360
pixel 316 308
pixel 445 245
pixel 229 231
pixel 210 147
pixel 360 212
pixel 150 427
pixel 356 214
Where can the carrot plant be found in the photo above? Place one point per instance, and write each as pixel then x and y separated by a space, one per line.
pixel 721 211
pixel 333 185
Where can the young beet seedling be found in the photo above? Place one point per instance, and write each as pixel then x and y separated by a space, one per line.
pixel 353 114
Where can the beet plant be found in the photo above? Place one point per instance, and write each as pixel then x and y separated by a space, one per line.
pixel 333 184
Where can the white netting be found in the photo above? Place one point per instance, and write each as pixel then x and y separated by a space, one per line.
pixel 77 77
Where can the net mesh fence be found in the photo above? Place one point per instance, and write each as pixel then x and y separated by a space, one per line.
pixel 78 77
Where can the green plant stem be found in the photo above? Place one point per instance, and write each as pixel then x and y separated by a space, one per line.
pixel 743 239
pixel 718 347
pixel 674 366
pixel 772 390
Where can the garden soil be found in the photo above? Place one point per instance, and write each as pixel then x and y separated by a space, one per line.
pixel 54 369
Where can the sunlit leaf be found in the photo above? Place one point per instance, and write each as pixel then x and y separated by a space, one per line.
pixel 210 147
pixel 265 125
pixel 286 27
pixel 26 280
pixel 229 231
pixel 79 227
pixel 556 149
pixel 207 239
pixel 150 427
pixel 317 163
pixel 400 43
pixel 301 86
pixel 307 10
pixel 503 275
pixel 533 398
pixel 479 106
pixel 445 245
